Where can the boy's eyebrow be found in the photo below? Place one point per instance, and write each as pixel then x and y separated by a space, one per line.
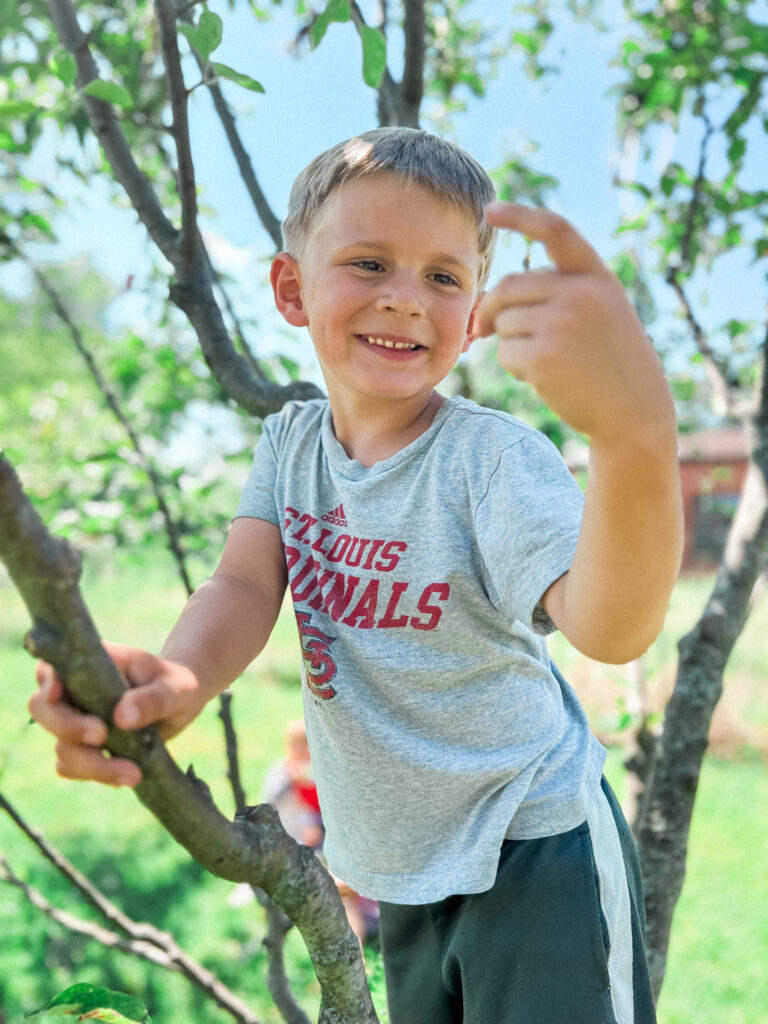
pixel 440 257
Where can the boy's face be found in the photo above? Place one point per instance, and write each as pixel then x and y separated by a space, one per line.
pixel 387 286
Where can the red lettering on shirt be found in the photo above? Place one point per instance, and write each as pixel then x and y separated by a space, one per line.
pixel 365 609
pixel 389 558
pixel 388 620
pixel 439 590
pixel 381 602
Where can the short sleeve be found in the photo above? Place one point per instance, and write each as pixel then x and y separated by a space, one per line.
pixel 258 498
pixel 527 525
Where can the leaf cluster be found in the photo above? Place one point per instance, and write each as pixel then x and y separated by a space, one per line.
pixel 699 68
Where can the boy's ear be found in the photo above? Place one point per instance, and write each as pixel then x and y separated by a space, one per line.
pixel 285 278
pixel 473 324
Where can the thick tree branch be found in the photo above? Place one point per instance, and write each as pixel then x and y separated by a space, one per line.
pixel 254 848
pixel 193 294
pixel 107 129
pixel 159 949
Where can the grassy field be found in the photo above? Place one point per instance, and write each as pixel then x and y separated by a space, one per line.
pixel 716 969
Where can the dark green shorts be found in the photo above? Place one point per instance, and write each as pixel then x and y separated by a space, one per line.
pixel 557 940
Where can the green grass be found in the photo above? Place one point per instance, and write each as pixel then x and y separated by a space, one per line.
pixel 716 971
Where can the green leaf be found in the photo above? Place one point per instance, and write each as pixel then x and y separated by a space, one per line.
pixel 736 328
pixel 36 220
pixel 89 1002
pixel 761 248
pixel 336 10
pixel 528 42
pixel 258 11
pixel 736 150
pixel 64 66
pixel 110 92
pixel 14 110
pixel 374 55
pixel 223 71
pixel 206 35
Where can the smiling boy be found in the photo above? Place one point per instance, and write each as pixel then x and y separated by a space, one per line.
pixel 429 545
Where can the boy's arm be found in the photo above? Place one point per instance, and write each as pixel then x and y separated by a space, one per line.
pixel 222 628
pixel 574 335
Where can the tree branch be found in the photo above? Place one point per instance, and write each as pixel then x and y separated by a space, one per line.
pixel 105 125
pixel 193 294
pixel 270 222
pixel 158 948
pixel 187 252
pixel 412 84
pixel 722 399
pixel 693 206
pixel 254 848
pixel 278 926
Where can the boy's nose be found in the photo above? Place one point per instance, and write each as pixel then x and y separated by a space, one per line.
pixel 401 297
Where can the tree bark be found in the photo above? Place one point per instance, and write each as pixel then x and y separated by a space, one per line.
pixel 254 848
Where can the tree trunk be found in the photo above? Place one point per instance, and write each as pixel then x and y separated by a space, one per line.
pixel 704 652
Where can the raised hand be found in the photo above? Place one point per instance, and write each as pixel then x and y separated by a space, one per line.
pixel 163 693
pixel 572 333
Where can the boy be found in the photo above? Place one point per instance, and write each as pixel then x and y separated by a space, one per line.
pixel 429 544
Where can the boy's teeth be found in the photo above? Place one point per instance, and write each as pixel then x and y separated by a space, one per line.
pixel 386 343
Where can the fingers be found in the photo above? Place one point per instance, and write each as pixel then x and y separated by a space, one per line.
pixel 519 292
pixel 79 735
pixel 566 247
pixel 75 761
pixel 48 707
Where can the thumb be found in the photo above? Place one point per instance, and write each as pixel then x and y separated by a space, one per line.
pixel 141 706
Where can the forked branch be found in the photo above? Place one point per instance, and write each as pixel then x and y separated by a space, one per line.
pixel 192 290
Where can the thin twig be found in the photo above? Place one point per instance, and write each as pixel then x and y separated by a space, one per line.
pixel 83 885
pixel 142 941
pixel 105 124
pixel 114 404
pixel 278 926
pixel 693 206
pixel 233 761
pixel 716 372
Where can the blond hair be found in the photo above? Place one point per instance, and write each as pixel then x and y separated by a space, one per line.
pixel 409 153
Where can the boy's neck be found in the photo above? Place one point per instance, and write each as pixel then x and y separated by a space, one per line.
pixel 378 431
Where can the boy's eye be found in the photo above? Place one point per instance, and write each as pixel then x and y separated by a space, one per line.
pixel 367 264
pixel 443 278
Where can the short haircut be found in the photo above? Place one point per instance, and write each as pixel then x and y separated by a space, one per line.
pixel 409 153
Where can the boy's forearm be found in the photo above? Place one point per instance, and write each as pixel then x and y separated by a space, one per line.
pixel 223 627
pixel 612 603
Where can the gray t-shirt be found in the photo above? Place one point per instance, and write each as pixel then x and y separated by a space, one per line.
pixel 436 721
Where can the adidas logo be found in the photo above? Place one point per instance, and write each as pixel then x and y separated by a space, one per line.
pixel 336 517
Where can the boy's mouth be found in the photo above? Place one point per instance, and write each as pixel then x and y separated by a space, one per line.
pixel 390 343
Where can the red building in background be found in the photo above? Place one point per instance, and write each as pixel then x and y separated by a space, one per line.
pixel 713 465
